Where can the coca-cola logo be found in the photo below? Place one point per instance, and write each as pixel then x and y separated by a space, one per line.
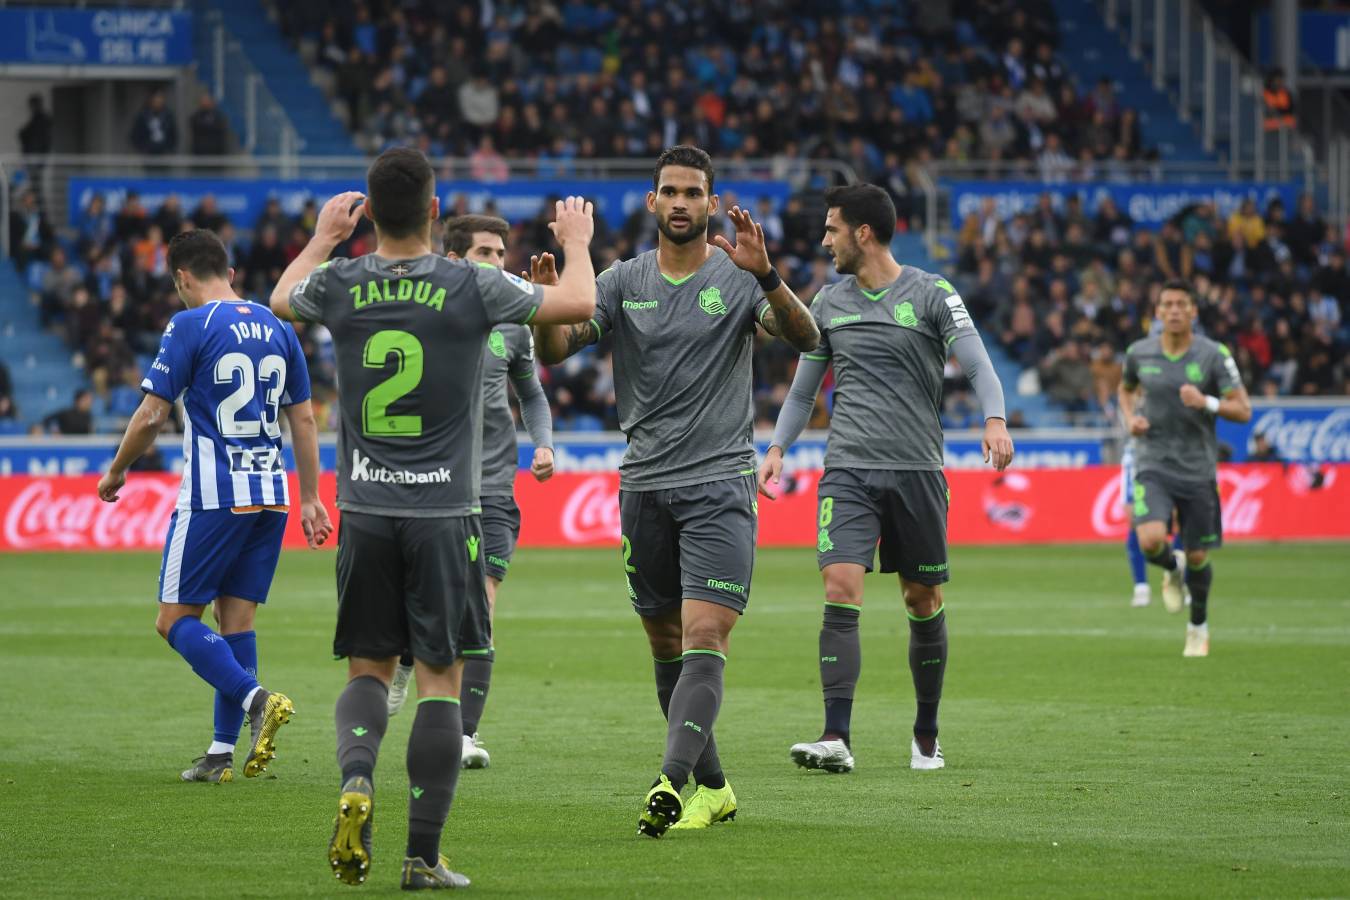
pixel 1305 440
pixel 1239 497
pixel 591 513
pixel 51 513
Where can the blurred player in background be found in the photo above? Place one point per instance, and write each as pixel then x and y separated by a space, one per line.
pixel 508 359
pixel 683 319
pixel 887 329
pixel 236 367
pixel 409 330
pixel 1186 381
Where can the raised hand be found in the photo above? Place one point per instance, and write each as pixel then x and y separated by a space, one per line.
pixel 574 221
pixel 338 218
pixel 749 252
pixel 543 269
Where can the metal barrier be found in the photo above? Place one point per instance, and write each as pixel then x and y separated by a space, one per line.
pixel 58 169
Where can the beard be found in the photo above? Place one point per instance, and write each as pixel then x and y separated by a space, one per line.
pixel 696 228
pixel 846 260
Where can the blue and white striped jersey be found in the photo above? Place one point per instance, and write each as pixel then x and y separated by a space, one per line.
pixel 235 365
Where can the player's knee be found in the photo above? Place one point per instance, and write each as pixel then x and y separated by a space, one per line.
pixel 704 636
pixel 1196 558
pixel 843 586
pixel 1151 542
pixel 922 600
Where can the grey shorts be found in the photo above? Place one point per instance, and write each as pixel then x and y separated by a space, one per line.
pixel 501 528
pixel 905 512
pixel 1196 502
pixel 411 585
pixel 694 542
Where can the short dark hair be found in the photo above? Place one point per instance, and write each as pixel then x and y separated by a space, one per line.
pixel 399 187
pixel 864 204
pixel 1178 284
pixel 687 156
pixel 459 231
pixel 200 252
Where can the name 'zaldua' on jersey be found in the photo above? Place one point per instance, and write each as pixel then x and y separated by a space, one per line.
pixel 682 374
pixel 888 348
pixel 235 365
pixel 409 335
pixel 1180 440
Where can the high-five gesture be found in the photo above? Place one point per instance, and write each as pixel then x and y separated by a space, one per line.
pixel 750 252
pixel 574 221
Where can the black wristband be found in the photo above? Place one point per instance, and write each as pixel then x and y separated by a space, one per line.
pixel 770 282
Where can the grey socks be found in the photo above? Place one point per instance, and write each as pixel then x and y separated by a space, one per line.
pixel 692 712
pixel 362 715
pixel 434 748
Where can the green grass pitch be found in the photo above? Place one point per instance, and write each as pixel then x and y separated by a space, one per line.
pixel 1085 756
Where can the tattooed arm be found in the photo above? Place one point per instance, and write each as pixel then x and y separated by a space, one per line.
pixel 554 343
pixel 790 319
pixel 787 317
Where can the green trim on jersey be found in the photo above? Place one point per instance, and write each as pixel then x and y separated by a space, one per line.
pixel 596 326
pixel 533 310
pixel 874 296
pixel 815 356
pixel 681 281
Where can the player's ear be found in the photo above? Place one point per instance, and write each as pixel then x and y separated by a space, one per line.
pixel 435 208
pixel 714 203
pixel 450 254
pixel 651 201
pixel 367 211
pixel 229 275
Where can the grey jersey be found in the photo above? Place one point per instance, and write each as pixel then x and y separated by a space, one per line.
pixel 409 336
pixel 1180 441
pixel 888 348
pixel 682 372
pixel 509 357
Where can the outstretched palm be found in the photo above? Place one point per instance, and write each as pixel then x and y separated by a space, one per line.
pixel 749 252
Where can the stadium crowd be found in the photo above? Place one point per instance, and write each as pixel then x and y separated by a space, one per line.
pixel 886 87
pixel 1064 291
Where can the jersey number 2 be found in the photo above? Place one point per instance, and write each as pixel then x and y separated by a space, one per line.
pixel 227 414
pixel 407 352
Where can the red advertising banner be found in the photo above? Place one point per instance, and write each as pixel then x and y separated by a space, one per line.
pixel 1260 502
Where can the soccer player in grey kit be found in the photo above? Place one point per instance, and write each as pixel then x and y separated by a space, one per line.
pixel 683 319
pixel 409 329
pixel 1187 381
pixel 887 329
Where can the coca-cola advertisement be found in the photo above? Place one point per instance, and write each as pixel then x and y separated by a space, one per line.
pixel 1260 502
pixel 1296 430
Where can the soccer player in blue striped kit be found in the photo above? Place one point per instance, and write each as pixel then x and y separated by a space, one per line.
pixel 237 368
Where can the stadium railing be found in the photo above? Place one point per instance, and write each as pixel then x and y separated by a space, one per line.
pixel 1209 80
pixel 59 169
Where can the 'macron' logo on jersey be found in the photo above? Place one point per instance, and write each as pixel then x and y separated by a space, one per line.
pixel 710 300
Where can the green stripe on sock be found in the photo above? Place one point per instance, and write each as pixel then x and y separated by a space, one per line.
pixel 721 656
pixel 454 700
pixel 476 652
pixel 675 660
pixel 857 607
pixel 914 618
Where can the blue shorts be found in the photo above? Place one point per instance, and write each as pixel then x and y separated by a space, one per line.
pixel 219 552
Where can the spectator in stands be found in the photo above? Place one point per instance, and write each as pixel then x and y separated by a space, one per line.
pixel 208 215
pixel 30 236
pixel 1246 228
pixel 132 219
pixel 75 419
pixel 35 140
pixel 1279 103
pixel 208 128
pixel 154 132
pixel 1305 232
pixel 7 410
pixel 265 263
pixel 1263 450
pixel 59 282
pixel 478 102
pixel 169 217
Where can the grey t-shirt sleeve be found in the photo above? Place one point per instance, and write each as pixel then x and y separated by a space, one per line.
pixel 974 359
pixel 608 299
pixel 801 400
pixel 307 297
pixel 1129 376
pixel 507 297
pixel 946 312
pixel 1224 371
pixel 534 409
